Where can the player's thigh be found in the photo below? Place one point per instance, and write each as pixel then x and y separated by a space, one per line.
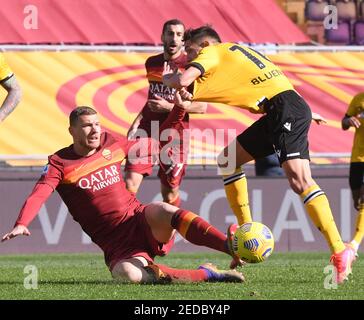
pixel 232 157
pixel 159 216
pixel 254 143
pixel 131 269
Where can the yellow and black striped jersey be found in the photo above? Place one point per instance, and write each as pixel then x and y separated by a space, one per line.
pixel 236 75
pixel 356 108
pixel 5 71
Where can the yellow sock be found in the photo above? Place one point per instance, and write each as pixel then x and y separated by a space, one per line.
pixel 236 189
pixel 318 208
pixel 359 230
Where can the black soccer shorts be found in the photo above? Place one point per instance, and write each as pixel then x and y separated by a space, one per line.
pixel 283 129
pixel 356 176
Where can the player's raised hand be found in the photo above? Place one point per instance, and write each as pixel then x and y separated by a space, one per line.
pixel 168 74
pixel 179 101
pixel 318 118
pixel 18 230
pixel 167 69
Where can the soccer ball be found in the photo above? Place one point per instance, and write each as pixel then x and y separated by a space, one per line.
pixel 253 242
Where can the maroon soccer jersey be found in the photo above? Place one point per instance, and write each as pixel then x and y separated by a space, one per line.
pixel 92 188
pixel 154 69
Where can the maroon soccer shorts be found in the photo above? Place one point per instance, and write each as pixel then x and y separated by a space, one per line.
pixel 134 238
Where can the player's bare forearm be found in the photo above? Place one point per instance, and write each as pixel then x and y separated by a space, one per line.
pixel 197 107
pixel 12 99
pixel 174 79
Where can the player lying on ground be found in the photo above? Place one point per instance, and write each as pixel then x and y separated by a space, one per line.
pixel 87 177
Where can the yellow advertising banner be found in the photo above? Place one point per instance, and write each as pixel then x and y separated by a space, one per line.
pixel 115 85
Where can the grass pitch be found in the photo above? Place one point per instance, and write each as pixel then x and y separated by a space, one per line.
pixel 85 276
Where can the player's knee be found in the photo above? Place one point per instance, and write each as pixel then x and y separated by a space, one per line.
pixel 126 271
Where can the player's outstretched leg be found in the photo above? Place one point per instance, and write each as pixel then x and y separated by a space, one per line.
pixel 164 218
pixel 138 270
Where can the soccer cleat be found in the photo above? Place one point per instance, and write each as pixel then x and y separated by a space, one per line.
pixel 236 262
pixel 355 248
pixel 216 275
pixel 343 261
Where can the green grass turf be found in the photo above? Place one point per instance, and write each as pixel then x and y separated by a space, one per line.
pixel 85 276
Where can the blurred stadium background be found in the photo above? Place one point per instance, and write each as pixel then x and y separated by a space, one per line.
pixel 89 52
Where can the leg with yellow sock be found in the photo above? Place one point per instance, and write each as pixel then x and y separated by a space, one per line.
pixel 318 208
pixel 359 228
pixel 235 183
pixel 236 189
pixel 317 205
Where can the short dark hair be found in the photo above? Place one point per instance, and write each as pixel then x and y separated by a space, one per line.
pixel 172 22
pixel 80 111
pixel 195 35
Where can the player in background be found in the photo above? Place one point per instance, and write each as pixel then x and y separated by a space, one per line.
pixel 87 177
pixel 239 76
pixel 155 112
pixel 354 117
pixel 10 84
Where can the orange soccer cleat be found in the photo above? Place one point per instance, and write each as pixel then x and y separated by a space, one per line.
pixel 343 261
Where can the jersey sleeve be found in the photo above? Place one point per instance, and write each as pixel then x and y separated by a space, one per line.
pixel 52 173
pixel 206 61
pixel 50 178
pixel 125 144
pixel 5 71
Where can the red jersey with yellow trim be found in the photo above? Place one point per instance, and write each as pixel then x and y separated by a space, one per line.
pixel 93 188
pixel 154 69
